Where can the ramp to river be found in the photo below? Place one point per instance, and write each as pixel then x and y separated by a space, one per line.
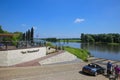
pixel 102 61
pixel 64 57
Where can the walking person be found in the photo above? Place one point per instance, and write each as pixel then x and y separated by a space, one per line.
pixel 109 68
pixel 117 72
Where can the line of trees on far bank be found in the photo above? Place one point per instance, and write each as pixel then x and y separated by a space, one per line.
pixel 62 39
pixel 102 38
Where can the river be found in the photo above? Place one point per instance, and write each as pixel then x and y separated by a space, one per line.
pixel 111 52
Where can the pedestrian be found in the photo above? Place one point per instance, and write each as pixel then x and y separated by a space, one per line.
pixel 117 72
pixel 109 68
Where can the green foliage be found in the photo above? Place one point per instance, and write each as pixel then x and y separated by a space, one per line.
pixel 103 38
pixel 17 36
pixel 49 44
pixel 32 34
pixel 6 39
pixel 1 30
pixel 62 40
pixel 14 40
pixel 80 53
pixel 51 39
pixel 28 35
pixel 23 37
pixel 6 32
pixel 70 40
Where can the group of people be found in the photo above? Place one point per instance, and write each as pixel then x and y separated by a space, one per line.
pixel 113 69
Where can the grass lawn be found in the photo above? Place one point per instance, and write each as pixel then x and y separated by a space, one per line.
pixel 80 53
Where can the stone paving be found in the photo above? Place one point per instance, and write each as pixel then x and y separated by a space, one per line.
pixel 64 57
pixel 71 71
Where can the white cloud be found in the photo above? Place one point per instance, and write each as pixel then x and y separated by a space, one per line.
pixel 24 25
pixel 79 20
pixel 29 26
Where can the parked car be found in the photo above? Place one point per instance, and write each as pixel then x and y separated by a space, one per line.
pixel 93 69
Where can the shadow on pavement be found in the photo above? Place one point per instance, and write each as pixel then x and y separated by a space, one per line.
pixel 80 72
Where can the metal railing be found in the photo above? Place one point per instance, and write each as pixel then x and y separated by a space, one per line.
pixel 7 45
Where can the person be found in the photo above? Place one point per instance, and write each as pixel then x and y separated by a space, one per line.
pixel 109 68
pixel 116 71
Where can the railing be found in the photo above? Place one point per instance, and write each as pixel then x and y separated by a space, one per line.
pixel 8 45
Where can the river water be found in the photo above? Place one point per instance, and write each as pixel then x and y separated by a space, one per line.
pixel 111 52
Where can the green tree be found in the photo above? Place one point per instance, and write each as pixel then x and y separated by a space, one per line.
pixel 23 37
pixel 104 38
pixel 52 39
pixel 82 37
pixel 32 34
pixel 1 30
pixel 109 38
pixel 91 39
pixel 26 35
pixel 29 35
pixel 116 38
pixel 18 35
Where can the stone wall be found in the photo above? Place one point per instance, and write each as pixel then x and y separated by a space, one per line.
pixel 12 57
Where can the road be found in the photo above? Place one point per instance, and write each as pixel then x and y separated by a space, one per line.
pixel 71 71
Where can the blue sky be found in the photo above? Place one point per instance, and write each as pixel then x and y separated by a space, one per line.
pixel 61 18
